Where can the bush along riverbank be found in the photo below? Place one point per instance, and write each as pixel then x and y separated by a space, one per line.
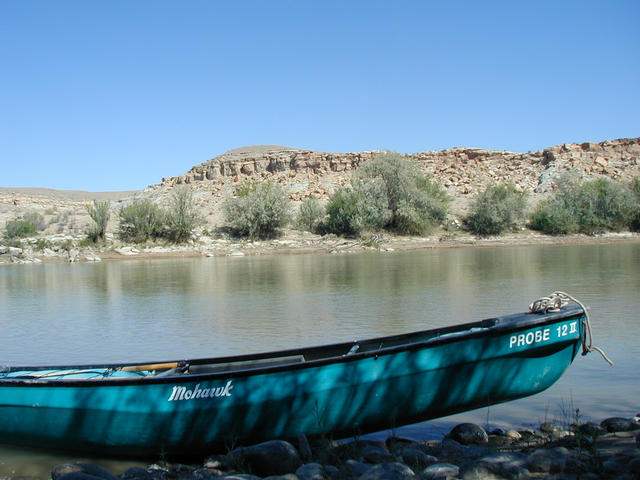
pixel 588 451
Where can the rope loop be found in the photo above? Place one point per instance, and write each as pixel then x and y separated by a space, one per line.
pixel 558 300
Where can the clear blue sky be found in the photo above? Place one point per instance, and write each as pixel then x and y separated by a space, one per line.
pixel 114 95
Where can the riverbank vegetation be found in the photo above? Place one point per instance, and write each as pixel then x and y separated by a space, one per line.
pixel 591 207
pixel 388 194
pixel 143 220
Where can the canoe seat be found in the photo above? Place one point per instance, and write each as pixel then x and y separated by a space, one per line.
pixel 245 365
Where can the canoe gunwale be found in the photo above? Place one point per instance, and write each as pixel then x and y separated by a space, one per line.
pixel 491 327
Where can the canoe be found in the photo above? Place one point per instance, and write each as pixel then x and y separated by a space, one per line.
pixel 192 407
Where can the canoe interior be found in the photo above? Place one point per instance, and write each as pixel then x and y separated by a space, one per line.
pixel 277 360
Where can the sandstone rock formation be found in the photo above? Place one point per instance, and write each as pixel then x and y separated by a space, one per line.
pixel 463 171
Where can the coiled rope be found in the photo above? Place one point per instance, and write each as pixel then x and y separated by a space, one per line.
pixel 554 303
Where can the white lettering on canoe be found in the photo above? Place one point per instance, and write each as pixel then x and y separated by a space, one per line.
pixel 529 338
pixel 182 393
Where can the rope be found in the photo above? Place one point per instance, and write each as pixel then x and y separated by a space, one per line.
pixel 558 300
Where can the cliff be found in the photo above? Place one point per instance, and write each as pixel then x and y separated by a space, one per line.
pixel 463 171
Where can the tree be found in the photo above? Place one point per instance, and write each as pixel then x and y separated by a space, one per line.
pixel 182 218
pixel 356 207
pixel 258 209
pixel 497 208
pixel 310 214
pixel 414 200
pixel 140 221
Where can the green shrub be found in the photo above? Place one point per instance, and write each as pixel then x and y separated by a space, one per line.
pixel 497 208
pixel 27 225
pixel 634 187
pixel 310 214
pixel 356 207
pixel 182 218
pixel 258 210
pixel 140 221
pixel 414 200
pixel 591 207
pixel 99 213
pixel 552 216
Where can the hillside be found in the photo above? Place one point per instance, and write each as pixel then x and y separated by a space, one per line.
pixel 463 171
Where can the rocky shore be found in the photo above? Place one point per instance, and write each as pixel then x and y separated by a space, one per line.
pixel 72 249
pixel 464 172
pixel 587 451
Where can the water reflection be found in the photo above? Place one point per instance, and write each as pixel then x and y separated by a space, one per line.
pixel 139 310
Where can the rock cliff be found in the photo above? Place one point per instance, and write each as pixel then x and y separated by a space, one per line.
pixel 463 171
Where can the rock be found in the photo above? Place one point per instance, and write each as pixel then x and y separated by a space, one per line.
pixel 611 467
pixel 502 465
pixel 239 476
pixel 356 469
pixel 288 476
pixel 440 471
pixel 14 251
pixel 137 473
pixel 619 424
pixel 127 251
pixel 547 461
pixel 417 458
pixel 548 427
pixel 312 471
pixel 451 448
pixel 634 465
pixel 275 457
pixel 236 253
pixel 513 434
pixel 389 471
pixel 591 429
pixel 469 433
pixel 80 471
pixel 375 454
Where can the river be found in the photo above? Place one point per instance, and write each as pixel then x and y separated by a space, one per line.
pixel 164 309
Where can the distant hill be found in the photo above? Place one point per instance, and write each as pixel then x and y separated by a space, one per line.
pixel 462 171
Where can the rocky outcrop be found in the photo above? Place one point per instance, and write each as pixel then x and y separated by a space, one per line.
pixel 463 171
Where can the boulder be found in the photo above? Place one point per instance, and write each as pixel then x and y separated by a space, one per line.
pixel 469 433
pixel 312 471
pixel 619 424
pixel 375 454
pixel 440 471
pixel 389 471
pixel 275 457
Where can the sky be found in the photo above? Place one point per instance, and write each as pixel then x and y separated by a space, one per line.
pixel 114 95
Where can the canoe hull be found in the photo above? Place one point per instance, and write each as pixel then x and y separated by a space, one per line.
pixel 192 415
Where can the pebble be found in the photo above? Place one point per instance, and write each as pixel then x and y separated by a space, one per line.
pixel 532 454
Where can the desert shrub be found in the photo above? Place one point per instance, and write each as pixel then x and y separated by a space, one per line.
pixel 99 213
pixel 497 208
pixel 182 217
pixel 310 214
pixel 140 221
pixel 591 207
pixel 414 201
pixel 634 188
pixel 356 207
pixel 25 226
pixel 258 209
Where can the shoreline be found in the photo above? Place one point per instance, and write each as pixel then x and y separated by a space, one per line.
pixel 68 248
pixel 605 450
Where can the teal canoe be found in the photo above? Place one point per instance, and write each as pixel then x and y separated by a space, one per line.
pixel 191 407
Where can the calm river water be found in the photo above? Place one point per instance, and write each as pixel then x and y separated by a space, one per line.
pixel 164 309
